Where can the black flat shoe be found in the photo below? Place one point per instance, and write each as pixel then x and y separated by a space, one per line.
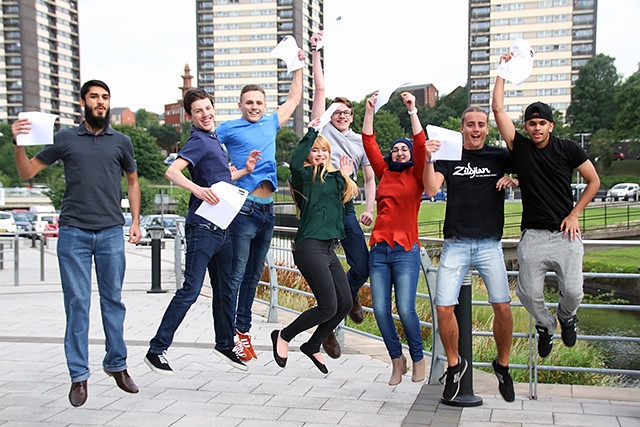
pixel 321 366
pixel 281 361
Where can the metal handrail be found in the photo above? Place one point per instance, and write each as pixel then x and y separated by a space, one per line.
pixel 280 250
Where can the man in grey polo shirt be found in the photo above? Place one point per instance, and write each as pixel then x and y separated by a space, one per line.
pixel 94 157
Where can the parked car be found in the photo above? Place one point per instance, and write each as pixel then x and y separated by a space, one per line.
pixel 441 195
pixel 7 223
pixel 624 191
pixel 51 227
pixel 24 224
pixel 42 220
pixel 168 221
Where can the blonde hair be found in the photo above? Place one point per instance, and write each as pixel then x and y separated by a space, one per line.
pixel 350 190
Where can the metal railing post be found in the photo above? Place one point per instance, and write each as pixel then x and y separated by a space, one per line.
pixel 42 243
pixel 16 262
pixel 437 358
pixel 272 315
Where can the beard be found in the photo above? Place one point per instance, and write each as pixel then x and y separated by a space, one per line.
pixel 97 122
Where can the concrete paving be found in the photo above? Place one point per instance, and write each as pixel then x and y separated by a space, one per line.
pixel 204 390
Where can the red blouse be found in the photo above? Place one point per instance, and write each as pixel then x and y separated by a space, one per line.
pixel 398 195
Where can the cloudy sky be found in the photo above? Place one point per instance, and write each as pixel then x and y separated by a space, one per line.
pixel 140 47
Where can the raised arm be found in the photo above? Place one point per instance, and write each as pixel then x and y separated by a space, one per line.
pixel 410 101
pixel 27 168
pixel 285 111
pixel 318 107
pixel 505 125
pixel 369 111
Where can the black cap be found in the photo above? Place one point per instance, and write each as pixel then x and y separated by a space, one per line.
pixel 538 110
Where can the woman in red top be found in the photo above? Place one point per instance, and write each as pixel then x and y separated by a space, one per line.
pixel 394 259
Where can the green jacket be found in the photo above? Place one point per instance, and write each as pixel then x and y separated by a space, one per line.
pixel 321 210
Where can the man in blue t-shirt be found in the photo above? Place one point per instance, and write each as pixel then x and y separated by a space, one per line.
pixel 208 246
pixel 550 237
pixel 252 229
pixel 94 157
pixel 473 225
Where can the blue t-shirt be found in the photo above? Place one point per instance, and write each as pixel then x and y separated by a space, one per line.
pixel 241 137
pixel 207 165
pixel 93 166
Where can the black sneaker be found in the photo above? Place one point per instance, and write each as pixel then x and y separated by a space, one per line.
pixel 568 333
pixel 505 383
pixel 158 363
pixel 453 376
pixel 230 357
pixel 545 341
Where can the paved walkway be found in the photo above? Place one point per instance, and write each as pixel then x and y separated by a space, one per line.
pixel 206 391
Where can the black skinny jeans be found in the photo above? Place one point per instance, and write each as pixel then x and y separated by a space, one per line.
pixel 318 263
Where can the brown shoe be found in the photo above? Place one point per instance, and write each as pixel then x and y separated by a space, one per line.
pixel 331 346
pixel 78 393
pixel 123 380
pixel 356 313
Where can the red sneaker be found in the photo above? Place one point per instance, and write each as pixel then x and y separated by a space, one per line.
pixel 238 349
pixel 245 339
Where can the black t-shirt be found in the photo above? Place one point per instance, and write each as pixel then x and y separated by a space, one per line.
pixel 475 208
pixel 545 180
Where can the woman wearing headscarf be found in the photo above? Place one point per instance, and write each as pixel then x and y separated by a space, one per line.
pixel 394 258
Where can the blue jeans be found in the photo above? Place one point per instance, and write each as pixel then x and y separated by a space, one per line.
pixel 77 249
pixel 398 270
pixel 208 248
pixel 252 230
pixel 356 252
pixel 458 255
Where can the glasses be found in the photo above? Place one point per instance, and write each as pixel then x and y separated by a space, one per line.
pixel 397 150
pixel 341 113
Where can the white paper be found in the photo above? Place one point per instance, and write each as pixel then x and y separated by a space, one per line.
pixel 287 50
pixel 451 143
pixel 325 118
pixel 330 29
pixel 519 67
pixel 41 128
pixel 385 93
pixel 231 200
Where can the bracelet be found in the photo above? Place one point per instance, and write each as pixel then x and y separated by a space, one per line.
pixel 430 162
pixel 414 111
pixel 314 48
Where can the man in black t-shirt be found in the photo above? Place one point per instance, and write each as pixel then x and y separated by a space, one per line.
pixel 472 230
pixel 550 239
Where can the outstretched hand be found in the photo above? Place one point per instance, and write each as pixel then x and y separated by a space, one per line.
pixel 252 159
pixel 346 165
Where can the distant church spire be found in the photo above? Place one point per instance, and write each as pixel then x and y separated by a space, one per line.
pixel 186 80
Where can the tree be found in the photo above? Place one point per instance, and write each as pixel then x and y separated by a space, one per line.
pixel 600 149
pixel 166 136
pixel 149 159
pixel 628 101
pixel 286 141
pixel 144 118
pixel 593 97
